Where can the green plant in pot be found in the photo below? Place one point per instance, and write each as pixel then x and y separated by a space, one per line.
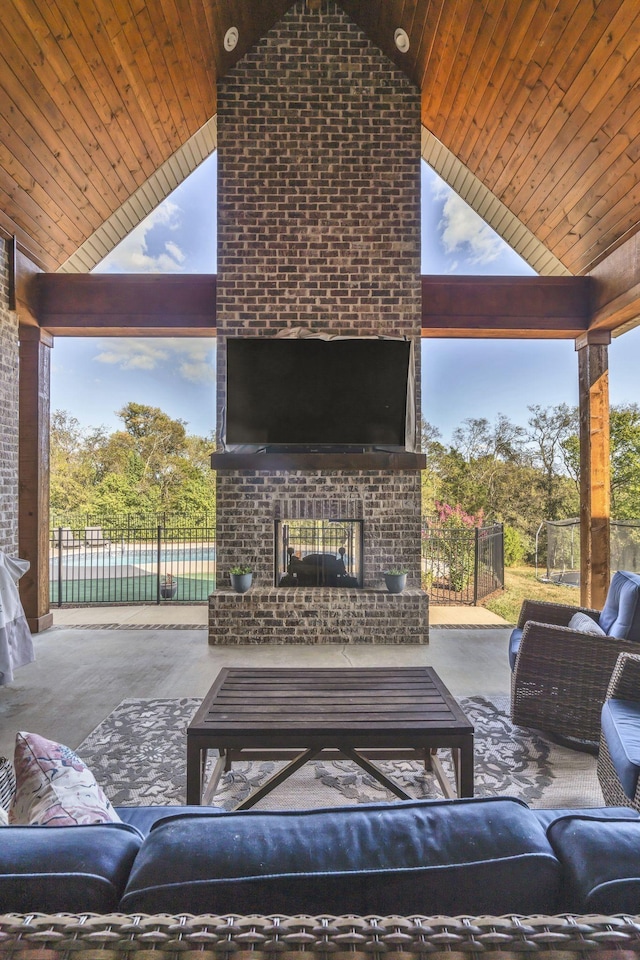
pixel 241 577
pixel 395 579
pixel 168 586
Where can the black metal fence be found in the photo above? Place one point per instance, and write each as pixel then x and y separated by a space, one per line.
pixel 129 560
pixel 462 565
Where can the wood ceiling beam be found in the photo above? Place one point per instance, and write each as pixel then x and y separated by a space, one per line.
pixel 542 308
pixel 616 288
pixel 184 305
pixel 127 305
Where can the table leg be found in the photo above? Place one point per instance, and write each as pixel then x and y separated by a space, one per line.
pixel 375 772
pixel 442 778
pixel 464 768
pixel 194 771
pixel 279 777
pixel 210 788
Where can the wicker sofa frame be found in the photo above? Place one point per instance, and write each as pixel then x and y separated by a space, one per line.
pixel 164 937
pixel 623 685
pixel 561 675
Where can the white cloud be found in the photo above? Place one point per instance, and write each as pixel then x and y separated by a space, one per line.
pixel 132 254
pixel 196 360
pixel 191 358
pixel 463 231
pixel 174 250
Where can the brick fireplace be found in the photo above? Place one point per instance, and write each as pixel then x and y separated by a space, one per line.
pixel 319 229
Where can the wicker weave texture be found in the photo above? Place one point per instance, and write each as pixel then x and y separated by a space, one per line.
pixel 624 685
pixel 118 937
pixel 561 678
pixel 544 611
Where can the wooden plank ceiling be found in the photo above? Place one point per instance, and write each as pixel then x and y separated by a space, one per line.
pixel 540 99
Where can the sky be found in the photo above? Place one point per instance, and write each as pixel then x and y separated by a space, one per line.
pixel 94 378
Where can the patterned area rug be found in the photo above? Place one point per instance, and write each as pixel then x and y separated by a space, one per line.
pixel 138 755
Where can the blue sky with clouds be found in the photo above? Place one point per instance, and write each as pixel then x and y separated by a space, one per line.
pixel 93 378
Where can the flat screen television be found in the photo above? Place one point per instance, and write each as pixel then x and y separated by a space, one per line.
pixel 319 394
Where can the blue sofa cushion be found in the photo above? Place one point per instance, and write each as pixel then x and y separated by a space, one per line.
pixel 144 819
pixel 75 869
pixel 548 816
pixel 621 729
pixel 428 857
pixel 601 864
pixel 620 616
pixel 514 646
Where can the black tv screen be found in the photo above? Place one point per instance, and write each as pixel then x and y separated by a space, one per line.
pixel 311 393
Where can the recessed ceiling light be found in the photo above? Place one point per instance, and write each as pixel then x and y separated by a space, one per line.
pixel 402 40
pixel 231 39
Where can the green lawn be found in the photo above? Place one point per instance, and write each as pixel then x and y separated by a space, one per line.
pixel 128 590
pixel 519 584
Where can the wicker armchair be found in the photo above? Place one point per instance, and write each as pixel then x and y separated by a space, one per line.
pixel 560 675
pixel 618 774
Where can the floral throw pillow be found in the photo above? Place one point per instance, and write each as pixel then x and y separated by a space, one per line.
pixel 54 787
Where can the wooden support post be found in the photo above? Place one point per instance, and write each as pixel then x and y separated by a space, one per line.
pixel 33 496
pixel 595 470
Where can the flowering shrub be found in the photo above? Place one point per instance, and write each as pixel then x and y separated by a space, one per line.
pixel 456 553
pixel 456 517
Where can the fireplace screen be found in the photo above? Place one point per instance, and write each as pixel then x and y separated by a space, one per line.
pixel 319 553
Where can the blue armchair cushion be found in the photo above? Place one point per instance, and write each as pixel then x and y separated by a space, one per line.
pixel 514 646
pixel 485 856
pixel 580 623
pixel 601 864
pixel 620 616
pixel 621 730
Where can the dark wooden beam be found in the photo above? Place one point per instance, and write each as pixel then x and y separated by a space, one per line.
pixel 595 470
pixel 616 287
pixel 33 474
pixel 542 308
pixel 12 247
pixel 26 271
pixel 127 305
pixel 99 305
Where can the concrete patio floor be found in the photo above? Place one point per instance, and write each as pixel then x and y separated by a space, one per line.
pixel 95 657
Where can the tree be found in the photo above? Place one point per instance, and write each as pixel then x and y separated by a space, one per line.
pixel 70 470
pixel 624 427
pixel 150 466
pixel 625 461
pixel 549 430
pixel 480 456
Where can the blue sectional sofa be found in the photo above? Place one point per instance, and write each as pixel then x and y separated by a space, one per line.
pixel 475 857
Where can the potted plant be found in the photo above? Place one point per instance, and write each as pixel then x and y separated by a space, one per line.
pixel 395 579
pixel 241 577
pixel 168 586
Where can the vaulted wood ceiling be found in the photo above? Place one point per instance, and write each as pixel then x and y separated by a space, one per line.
pixel 540 99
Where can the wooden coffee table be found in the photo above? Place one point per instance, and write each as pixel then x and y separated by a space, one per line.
pixel 362 714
